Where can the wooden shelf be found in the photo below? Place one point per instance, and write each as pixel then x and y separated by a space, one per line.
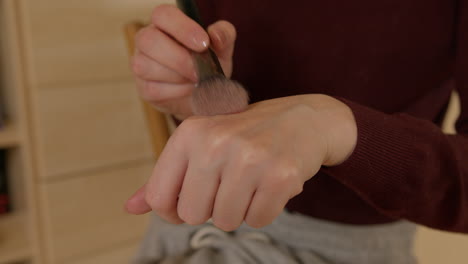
pixel 9 136
pixel 14 244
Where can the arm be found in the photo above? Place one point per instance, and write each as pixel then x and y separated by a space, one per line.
pixel 406 167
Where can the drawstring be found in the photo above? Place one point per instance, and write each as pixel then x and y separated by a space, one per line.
pixel 210 236
pixel 236 242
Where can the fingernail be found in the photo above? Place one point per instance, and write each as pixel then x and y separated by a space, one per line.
pixel 200 41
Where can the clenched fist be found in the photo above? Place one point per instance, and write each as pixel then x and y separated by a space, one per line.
pixel 246 166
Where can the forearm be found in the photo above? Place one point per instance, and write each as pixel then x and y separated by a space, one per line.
pixel 407 168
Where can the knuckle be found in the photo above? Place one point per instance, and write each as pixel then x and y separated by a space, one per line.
pixel 138 66
pixel 189 218
pixel 158 205
pixel 192 127
pixel 162 208
pixel 150 92
pixel 284 175
pixel 199 220
pixel 210 155
pixel 192 124
pixel 276 183
pixel 144 38
pixel 290 170
pixel 213 144
pixel 255 222
pixel 229 28
pixel 253 154
pixel 297 189
pixel 193 221
pixel 226 225
pixel 220 137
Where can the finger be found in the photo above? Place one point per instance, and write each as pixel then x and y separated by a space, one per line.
pixel 223 35
pixel 175 23
pixel 165 183
pixel 266 206
pixel 198 193
pixel 160 47
pixel 233 198
pixel 136 204
pixel 146 68
pixel 159 92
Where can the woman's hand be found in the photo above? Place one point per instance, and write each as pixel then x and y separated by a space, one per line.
pixel 162 63
pixel 246 166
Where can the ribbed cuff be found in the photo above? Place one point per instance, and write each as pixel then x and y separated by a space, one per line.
pixel 383 158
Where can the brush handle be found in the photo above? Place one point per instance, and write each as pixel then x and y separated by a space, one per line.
pixel 206 63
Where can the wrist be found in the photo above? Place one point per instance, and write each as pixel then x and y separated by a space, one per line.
pixel 338 125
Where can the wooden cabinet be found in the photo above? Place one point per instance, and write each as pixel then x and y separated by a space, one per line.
pixel 84 215
pixel 87 127
pixel 18 238
pixel 78 143
pixel 74 42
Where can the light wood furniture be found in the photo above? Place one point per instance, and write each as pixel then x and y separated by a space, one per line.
pixel 157 122
pixel 18 235
pixel 91 145
pixel 78 141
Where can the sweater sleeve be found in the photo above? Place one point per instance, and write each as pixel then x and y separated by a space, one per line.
pixel 406 167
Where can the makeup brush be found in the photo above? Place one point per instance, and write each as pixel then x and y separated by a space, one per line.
pixel 214 94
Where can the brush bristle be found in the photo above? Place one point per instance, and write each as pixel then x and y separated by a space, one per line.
pixel 219 95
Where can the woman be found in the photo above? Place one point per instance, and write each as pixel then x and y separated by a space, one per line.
pixel 344 130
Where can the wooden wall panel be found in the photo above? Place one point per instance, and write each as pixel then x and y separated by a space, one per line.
pixel 84 216
pixel 88 127
pixel 76 41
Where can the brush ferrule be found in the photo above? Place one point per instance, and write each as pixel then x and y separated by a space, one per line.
pixel 207 65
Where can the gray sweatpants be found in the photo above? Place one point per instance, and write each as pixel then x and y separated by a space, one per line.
pixel 292 238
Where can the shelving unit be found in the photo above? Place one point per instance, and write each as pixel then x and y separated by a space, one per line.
pixel 17 235
pixel 9 136
pixel 57 146
pixel 58 65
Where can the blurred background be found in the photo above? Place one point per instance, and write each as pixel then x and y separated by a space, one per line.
pixel 73 139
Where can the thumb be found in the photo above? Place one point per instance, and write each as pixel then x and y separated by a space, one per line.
pixel 137 203
pixel 223 37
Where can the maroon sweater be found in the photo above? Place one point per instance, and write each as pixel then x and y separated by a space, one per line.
pixel 388 60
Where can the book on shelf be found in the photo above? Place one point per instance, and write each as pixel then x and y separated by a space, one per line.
pixel 2 112
pixel 3 100
pixel 4 195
